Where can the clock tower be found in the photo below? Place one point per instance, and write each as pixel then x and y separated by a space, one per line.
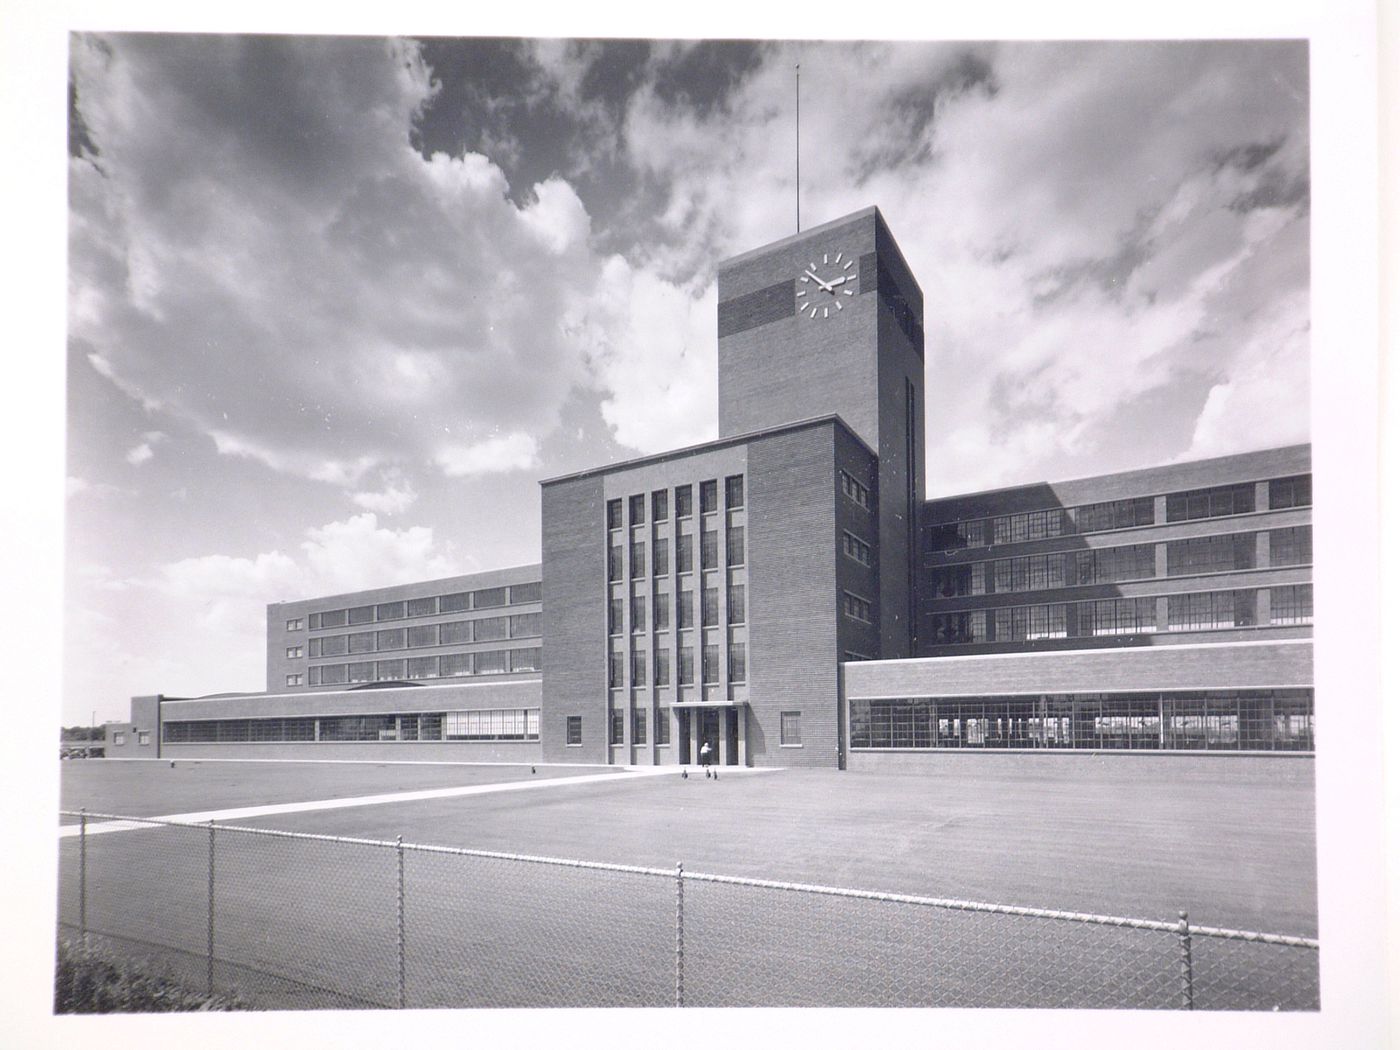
pixel 830 321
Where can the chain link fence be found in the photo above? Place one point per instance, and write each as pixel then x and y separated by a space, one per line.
pixel 284 920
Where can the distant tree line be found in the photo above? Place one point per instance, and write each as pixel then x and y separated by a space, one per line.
pixel 79 733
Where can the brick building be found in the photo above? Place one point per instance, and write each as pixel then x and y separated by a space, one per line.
pixel 786 594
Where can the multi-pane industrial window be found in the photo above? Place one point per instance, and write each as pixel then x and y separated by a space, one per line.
pixel 662 667
pixel 615 615
pixel 573 730
pixel 684 496
pixel 738 662
pixel 854 607
pixel 392 670
pixel 1030 622
pixel 614 561
pixel 491 661
pixel 294 625
pixel 390 611
pixel 951 581
pixel 1113 514
pixel 422 607
pixel 1213 609
pixel 636 510
pixel 362 642
pixel 734 545
pixel 614 513
pixel 421 667
pixel 1201 554
pixel 1288 605
pixel 393 638
pixel 638 559
pixel 1117 616
pixel 490 598
pixel 660 556
pixel 294 679
pixel 522 625
pixel 639 726
pixel 458 632
pixel 639 667
pixel 663 726
pixel 528 659
pixel 1210 503
pixel 709 549
pixel 361 614
pixel 524 592
pixel 955 535
pixel 335 645
pixel 1111 564
pixel 1035 525
pixel 856 492
pixel 1290 546
pixel 661 610
pixel 1290 492
pixel 685 609
pixel 335 618
pixel 425 635
pixel 685 665
pixel 685 553
pixel 293 652
pixel 790 729
pixel 709 497
pixel 736 603
pixel 615 728
pixel 1035 572
pixel 460 602
pixel 615 669
pixel 660 509
pixel 454 664
pixel 709 664
pixel 639 613
pixel 734 491
pixel 519 724
pixel 709 607
pixel 855 548
pixel 959 627
pixel 360 672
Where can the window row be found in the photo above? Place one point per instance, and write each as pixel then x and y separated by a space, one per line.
pixel 458 632
pixel 1189 505
pixel 856 608
pixel 857 549
pixel 465 601
pixel 856 492
pixel 736 655
pixel 1254 720
pixel 452 665
pixel 1209 610
pixel 511 724
pixel 685 609
pixel 573 728
pixel 660 502
pixel 630 562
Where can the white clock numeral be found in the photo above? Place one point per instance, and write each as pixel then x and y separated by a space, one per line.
pixel 848 291
pixel 849 263
pixel 824 260
pixel 838 256
pixel 804 280
pixel 801 292
pixel 824 313
pixel 838 304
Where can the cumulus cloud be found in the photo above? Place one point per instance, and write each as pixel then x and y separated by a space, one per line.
pixel 145 451
pixel 395 498
pixel 495 455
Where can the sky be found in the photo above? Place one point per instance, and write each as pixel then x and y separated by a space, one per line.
pixel 337 304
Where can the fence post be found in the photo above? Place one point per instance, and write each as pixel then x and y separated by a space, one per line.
pixel 82 876
pixel 1188 991
pixel 398 848
pixel 209 957
pixel 680 934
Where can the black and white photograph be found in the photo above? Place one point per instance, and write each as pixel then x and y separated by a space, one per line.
pixel 562 522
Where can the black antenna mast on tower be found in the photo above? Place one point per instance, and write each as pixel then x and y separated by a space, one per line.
pixel 797 124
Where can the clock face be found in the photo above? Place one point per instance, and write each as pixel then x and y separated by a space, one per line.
pixel 823 287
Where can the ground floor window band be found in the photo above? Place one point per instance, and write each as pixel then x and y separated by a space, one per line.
pixel 1214 720
pixel 513 724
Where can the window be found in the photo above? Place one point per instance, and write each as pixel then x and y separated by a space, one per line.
pixel 335 645
pixel 1117 616
pixel 662 667
pixel 709 549
pixel 955 535
pixel 685 554
pixel 734 545
pixel 1210 503
pixel 855 608
pixel 790 729
pixel 525 625
pixel 663 727
pixel 709 607
pixel 685 609
pixel 856 492
pixel 423 607
pixel 491 661
pixel 636 510
pixel 615 728
pixel 360 672
pixel 614 562
pixel 1202 554
pixel 427 634
pixel 639 726
pixel 338 618
pixel 392 670
pixel 684 494
pixel 958 628
pixel 709 664
pixel 1290 492
pixel 530 659
pixel 456 632
pixel 956 580
pixel 573 731
pixel 639 613
pixel 736 603
pixel 1033 525
pixel 660 556
pixel 638 559
pixel 490 598
pixel 1112 564
pixel 1114 514
pixel 614 513
pixel 294 625
pixel 709 497
pixel 361 614
pixel 118 739
pixel 685 665
pixel 294 679
pixel 313 676
pixel 1030 622
pixel 639 667
pixel 391 611
pixel 615 615
pixel 661 610
pixel 660 510
pixel 1291 605
pixel 453 665
pixel 423 667
pixel 334 674
pixel 313 621
pixel 143 737
pixel 1211 610
pixel 314 647
pixel 450 603
pixel 362 642
pixel 734 492
pixel 1290 546
pixel 393 638
pixel 738 662
pixel 293 652
pixel 615 676
pixel 1035 572
pixel 521 593
pixel 855 548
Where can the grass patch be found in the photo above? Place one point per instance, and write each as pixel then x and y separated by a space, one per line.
pixel 93 981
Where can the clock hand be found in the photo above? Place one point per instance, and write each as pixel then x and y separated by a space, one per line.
pixel 825 287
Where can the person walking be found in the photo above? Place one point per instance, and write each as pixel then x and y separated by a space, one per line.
pixel 705 756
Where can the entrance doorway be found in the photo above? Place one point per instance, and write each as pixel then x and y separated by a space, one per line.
pixel 709 732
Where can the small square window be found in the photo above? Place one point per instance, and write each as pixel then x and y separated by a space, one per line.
pixel 294 625
pixel 293 652
pixel 143 738
pixel 118 739
pixel 294 679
